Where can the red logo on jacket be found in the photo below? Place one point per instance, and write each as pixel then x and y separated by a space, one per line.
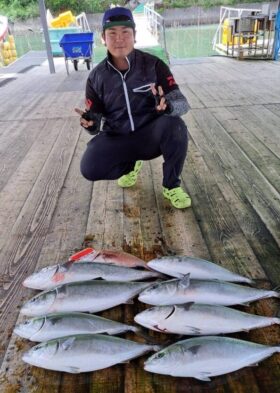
pixel 171 81
pixel 88 103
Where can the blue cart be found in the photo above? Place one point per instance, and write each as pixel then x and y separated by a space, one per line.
pixel 77 46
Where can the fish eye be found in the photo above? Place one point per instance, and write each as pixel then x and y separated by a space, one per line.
pixel 160 355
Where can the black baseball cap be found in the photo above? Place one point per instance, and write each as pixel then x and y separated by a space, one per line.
pixel 118 16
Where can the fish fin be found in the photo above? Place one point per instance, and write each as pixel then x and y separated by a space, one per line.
pixel 203 376
pixel 187 306
pixel 65 345
pixel 194 330
pixel 58 277
pixel 194 349
pixel 80 254
pixel 156 327
pixel 72 370
pixel 185 281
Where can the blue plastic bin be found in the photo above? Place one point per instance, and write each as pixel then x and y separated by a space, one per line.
pixel 77 45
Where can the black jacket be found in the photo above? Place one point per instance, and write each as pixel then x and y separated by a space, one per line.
pixel 124 99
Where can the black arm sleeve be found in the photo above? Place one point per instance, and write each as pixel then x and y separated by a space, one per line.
pixel 177 104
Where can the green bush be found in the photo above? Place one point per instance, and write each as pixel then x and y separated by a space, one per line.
pixel 22 9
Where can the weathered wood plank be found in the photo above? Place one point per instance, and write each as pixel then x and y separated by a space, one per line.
pixel 256 151
pixel 259 238
pixel 152 237
pixel 275 108
pixel 17 190
pixel 14 152
pixel 24 243
pixel 249 121
pixel 263 197
pixel 65 236
pixel 180 231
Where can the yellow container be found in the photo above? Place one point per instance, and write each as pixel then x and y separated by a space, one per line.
pixel 227 36
pixel 226 33
pixel 63 20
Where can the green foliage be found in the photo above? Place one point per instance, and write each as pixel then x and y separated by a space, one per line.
pixel 22 9
pixel 88 6
pixel 19 9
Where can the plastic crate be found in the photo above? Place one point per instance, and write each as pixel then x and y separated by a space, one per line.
pixel 63 20
pixel 77 45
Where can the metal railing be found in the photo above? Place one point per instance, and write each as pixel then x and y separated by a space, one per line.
pixel 156 25
pixel 227 13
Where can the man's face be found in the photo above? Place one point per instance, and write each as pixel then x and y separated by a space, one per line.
pixel 119 40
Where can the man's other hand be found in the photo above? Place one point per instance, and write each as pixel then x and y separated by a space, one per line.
pixel 158 93
pixel 84 119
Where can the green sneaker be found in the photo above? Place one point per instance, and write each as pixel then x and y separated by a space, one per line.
pixel 178 197
pixel 131 178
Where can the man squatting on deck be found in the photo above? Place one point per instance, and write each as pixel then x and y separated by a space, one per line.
pixel 133 99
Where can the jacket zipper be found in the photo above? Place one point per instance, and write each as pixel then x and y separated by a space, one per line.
pixel 125 93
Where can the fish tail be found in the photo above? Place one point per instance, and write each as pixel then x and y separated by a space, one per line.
pixel 249 281
pixel 157 348
pixel 277 348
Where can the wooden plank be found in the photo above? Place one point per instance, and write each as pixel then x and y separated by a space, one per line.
pixel 180 231
pixel 191 97
pixel 14 195
pixel 152 237
pixel 65 235
pixel 263 197
pixel 258 237
pixel 249 120
pixel 13 153
pixel 24 243
pixel 256 151
pixel 274 108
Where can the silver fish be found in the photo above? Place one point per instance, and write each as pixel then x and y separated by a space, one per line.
pixel 200 319
pixel 205 357
pixel 118 258
pixel 52 276
pixel 199 269
pixel 83 353
pixel 91 296
pixel 182 291
pixel 57 325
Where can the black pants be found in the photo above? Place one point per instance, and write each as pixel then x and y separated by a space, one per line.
pixel 108 157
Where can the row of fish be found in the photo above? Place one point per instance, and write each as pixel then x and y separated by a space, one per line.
pixel 71 334
pixel 98 295
pixel 114 269
pixel 201 357
pixel 187 319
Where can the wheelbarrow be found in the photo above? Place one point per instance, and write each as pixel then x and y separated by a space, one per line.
pixel 77 46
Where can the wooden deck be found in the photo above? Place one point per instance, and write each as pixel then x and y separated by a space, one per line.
pixel 48 211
